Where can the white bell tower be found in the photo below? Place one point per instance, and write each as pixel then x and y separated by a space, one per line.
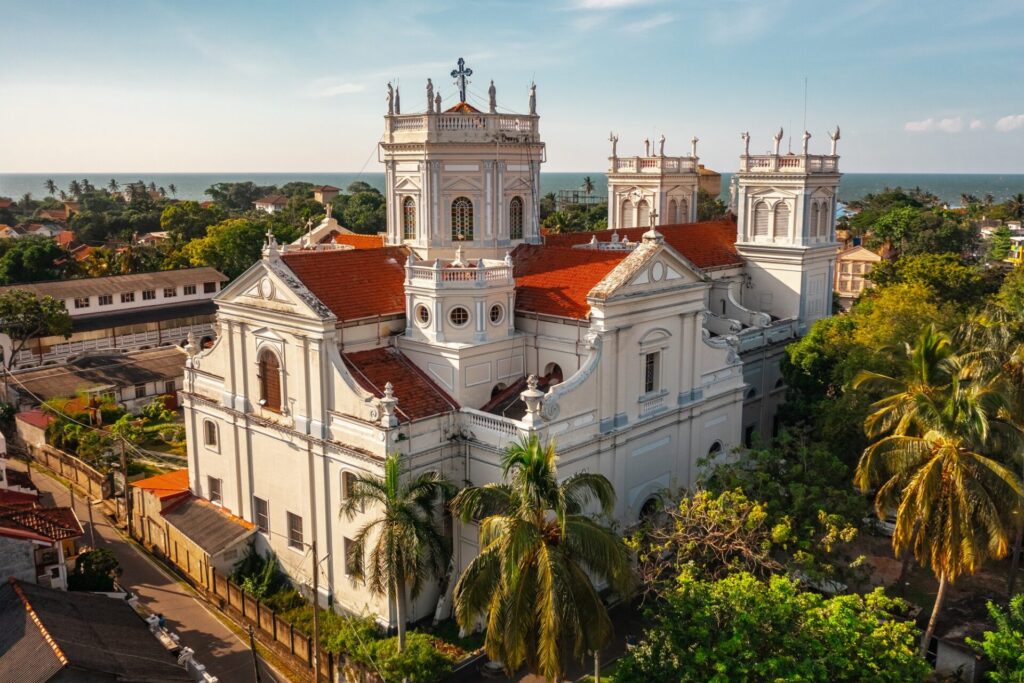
pixel 786 206
pixel 462 176
pixel 639 186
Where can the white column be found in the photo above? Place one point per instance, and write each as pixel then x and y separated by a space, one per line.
pixel 499 193
pixel 488 202
pixel 435 228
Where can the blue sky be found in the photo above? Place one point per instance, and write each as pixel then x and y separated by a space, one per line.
pixel 930 86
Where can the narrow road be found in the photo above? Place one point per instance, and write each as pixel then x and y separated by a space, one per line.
pixel 223 652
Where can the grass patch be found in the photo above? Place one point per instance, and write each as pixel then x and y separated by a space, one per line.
pixel 608 674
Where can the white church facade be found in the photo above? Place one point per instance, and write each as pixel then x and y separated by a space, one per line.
pixel 640 350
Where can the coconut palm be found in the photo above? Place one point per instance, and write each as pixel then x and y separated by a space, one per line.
pixel 539 549
pixel 588 185
pixel 51 187
pixel 113 185
pixel 26 201
pixel 1015 205
pixel 75 189
pixel 405 545
pixel 173 190
pixel 952 501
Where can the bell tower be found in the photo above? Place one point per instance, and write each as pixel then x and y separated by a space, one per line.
pixel 462 176
pixel 785 205
pixel 641 185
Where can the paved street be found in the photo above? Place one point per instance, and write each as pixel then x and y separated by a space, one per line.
pixel 225 654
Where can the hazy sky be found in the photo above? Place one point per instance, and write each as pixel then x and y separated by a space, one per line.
pixel 213 86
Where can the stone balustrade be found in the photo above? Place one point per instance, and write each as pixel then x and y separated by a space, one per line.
pixel 439 275
pixel 659 164
pixel 461 127
pixel 789 163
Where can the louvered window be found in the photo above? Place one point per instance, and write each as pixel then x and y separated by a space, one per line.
pixel 270 381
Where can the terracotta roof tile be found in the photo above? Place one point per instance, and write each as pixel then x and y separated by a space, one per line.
pixel 354 283
pixel 5 203
pixel 462 108
pixel 273 199
pixel 52 524
pixel 326 188
pixel 417 395
pixel 35 417
pixel 709 244
pixel 555 280
pixel 165 485
pixel 359 241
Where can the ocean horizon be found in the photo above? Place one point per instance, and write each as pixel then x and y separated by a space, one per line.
pixel 947 186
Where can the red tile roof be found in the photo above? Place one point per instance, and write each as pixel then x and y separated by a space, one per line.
pixel 64 238
pixel 35 417
pixel 462 108
pixel 555 280
pixel 5 203
pixel 359 241
pixel 82 252
pixel 710 244
pixel 326 188
pixel 417 395
pixel 165 485
pixel 45 524
pixel 273 199
pixel 354 283
pixel 60 214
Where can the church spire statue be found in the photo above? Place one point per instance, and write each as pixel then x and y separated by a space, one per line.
pixel 398 102
pixel 778 141
pixel 834 137
pixel 430 96
pixel 533 99
pixel 807 138
pixel 391 99
pixel 492 98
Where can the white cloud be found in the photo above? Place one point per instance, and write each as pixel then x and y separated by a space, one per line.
pixel 1008 123
pixel 608 4
pixel 651 23
pixel 976 124
pixel 953 124
pixel 329 88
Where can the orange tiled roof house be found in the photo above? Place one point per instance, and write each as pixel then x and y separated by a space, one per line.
pixel 640 349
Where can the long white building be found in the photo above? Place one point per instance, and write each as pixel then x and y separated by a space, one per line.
pixel 639 350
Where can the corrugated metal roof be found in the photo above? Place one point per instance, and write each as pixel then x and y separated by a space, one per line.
pixel 114 284
pixel 206 525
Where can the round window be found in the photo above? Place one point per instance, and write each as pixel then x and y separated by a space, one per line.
pixel 497 313
pixel 423 315
pixel 459 316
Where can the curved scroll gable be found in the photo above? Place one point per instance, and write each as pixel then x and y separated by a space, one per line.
pixel 728 342
pixel 594 344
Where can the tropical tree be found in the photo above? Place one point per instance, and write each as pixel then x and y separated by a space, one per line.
pixel 1015 205
pixel 26 201
pixel 952 501
pixel 173 190
pixel 75 189
pixel 405 545
pixel 113 185
pixel 540 552
pixel 25 316
pixel 588 185
pixel 51 187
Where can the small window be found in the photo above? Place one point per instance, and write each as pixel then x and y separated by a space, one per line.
pixel 170 292
pixel 295 532
pixel 209 287
pixel 497 314
pixel 459 316
pixel 127 297
pixel 715 450
pixel 409 218
pixel 651 371
pixel 169 387
pixel 210 433
pixel 348 481
pixel 353 561
pixel 748 435
pixel 189 290
pixel 82 302
pixel 106 299
pixel 140 391
pixel 261 514
pixel 423 315
pixel 148 294
pixel 215 491
pixel 462 219
pixel 515 218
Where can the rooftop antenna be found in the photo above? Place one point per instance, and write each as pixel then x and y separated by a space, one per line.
pixel 805 102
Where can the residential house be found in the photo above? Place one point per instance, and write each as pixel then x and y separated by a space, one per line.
pixel 325 194
pixel 852 268
pixel 272 203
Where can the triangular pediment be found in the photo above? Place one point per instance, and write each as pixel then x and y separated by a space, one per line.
pixel 517 184
pixel 651 267
pixel 270 285
pixel 407 185
pixel 461 184
pixel 771 192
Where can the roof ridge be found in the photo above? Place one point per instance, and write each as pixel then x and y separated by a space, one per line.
pixel 39 624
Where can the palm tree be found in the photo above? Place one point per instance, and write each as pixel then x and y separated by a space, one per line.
pixel 113 185
pixel 588 185
pixel 952 501
pixel 162 191
pixel 989 199
pixel 152 186
pixel 1015 205
pixel 51 187
pixel 75 189
pixel 538 551
pixel 173 190
pixel 407 546
pixel 63 195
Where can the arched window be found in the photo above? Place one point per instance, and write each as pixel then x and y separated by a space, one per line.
pixel 409 218
pixel 673 211
pixel 210 433
pixel 643 214
pixel 270 381
pixel 650 508
pixel 515 218
pixel 715 450
pixel 824 217
pixel 462 219
pixel 684 212
pixel 813 227
pixel 760 219
pixel 497 389
pixel 553 372
pixel 781 220
pixel 627 214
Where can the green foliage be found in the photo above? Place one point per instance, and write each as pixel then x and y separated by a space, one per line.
pixel 945 273
pixel 742 629
pixel 95 570
pixel 257 575
pixel 419 662
pixel 186 221
pixel 24 316
pixel 239 196
pixel 233 245
pixel 709 206
pixel 30 259
pixel 1010 297
pixel 156 411
pixel 577 218
pixel 1001 241
pixel 1003 646
pixel 363 210
pixel 127 427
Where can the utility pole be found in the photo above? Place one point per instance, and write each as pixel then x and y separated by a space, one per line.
pixel 92 526
pixel 316 616
pixel 255 660
pixel 124 471
pixel 71 492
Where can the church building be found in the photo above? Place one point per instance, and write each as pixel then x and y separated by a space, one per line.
pixel 640 350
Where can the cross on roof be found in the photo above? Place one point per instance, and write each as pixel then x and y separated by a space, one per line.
pixel 460 75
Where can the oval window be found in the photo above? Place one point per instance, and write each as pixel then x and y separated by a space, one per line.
pixel 458 316
pixel 497 314
pixel 423 315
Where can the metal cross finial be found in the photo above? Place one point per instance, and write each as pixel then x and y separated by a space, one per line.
pixel 460 75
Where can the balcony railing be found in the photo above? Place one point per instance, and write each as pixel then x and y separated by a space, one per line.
pixel 790 163
pixel 437 126
pixel 455 277
pixel 653 165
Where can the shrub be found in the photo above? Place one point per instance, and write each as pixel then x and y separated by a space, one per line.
pixel 1003 645
pixel 94 571
pixel 419 662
